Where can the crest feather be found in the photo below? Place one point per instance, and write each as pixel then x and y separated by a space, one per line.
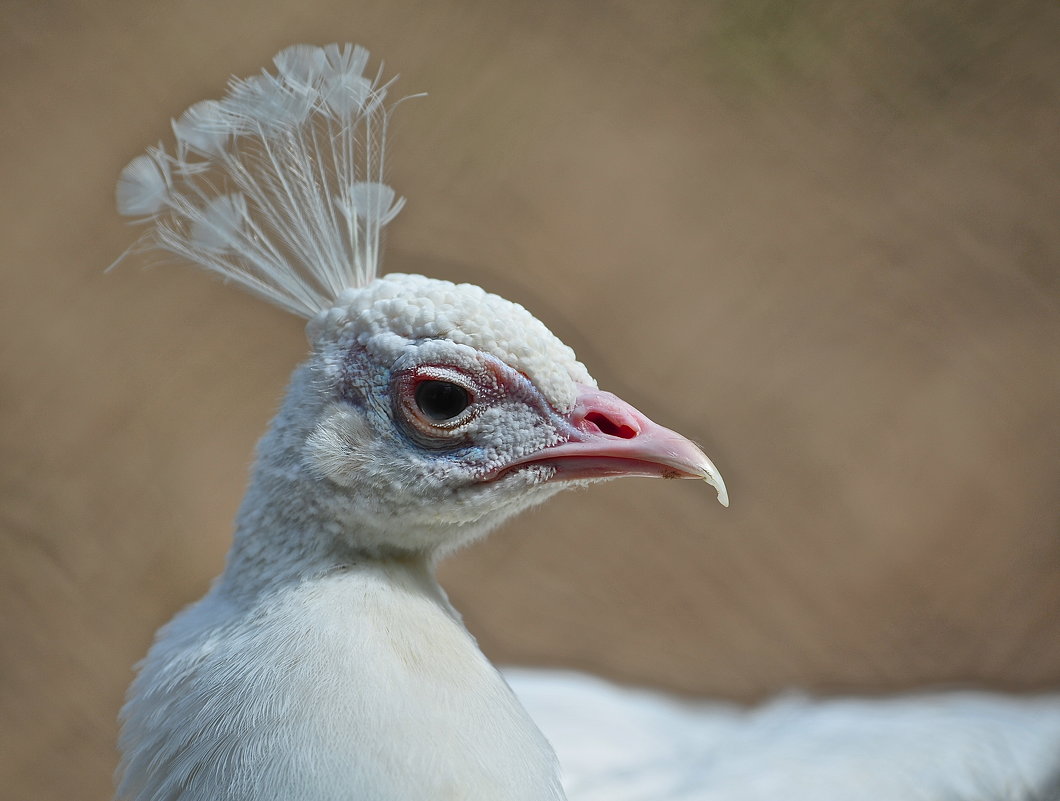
pixel 278 186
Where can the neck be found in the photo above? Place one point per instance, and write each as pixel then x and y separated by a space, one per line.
pixel 279 543
pixel 292 525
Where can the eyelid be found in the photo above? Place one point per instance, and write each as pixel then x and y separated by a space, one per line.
pixel 429 431
pixel 438 373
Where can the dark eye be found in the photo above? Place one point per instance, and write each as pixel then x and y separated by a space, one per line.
pixel 441 400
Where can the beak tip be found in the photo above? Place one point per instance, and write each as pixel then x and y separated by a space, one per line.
pixel 714 479
pixel 723 495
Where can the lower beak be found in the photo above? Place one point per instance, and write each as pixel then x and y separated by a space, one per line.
pixel 611 439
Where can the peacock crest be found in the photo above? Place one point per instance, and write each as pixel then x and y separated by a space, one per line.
pixel 279 185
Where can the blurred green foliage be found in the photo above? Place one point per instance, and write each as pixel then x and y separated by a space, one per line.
pixel 906 54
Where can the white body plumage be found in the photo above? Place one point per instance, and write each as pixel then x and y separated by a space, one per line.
pixel 360 684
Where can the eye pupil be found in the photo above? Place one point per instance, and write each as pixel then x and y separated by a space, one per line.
pixel 441 400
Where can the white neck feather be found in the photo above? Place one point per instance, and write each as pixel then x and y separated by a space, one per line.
pixel 323 670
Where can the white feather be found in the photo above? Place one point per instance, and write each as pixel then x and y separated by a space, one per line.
pixel 278 186
pixel 202 128
pixel 221 223
pixel 142 187
pixel 620 744
pixel 359 685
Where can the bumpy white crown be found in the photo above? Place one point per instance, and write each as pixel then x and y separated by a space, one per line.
pixel 278 186
pixel 389 313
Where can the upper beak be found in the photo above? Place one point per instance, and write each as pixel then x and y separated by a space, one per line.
pixel 611 439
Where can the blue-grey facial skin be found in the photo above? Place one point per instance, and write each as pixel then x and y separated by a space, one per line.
pixel 373 443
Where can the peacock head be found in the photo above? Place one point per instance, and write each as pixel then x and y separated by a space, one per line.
pixel 426 407
pixel 471 402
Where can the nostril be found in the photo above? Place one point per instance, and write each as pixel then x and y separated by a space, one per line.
pixel 609 426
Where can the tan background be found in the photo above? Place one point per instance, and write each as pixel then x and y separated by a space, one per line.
pixel 819 237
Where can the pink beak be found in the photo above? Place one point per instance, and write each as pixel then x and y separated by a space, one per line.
pixel 611 439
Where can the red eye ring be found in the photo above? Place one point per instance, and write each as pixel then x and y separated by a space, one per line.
pixel 436 401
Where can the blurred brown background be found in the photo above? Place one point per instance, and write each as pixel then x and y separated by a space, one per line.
pixel 819 237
